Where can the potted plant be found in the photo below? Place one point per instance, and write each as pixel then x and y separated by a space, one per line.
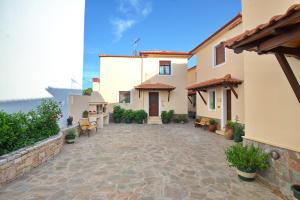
pixel 85 114
pixel 238 132
pixel 212 127
pixel 128 116
pixel 140 116
pixel 228 134
pixel 296 191
pixel 70 136
pixel 117 114
pixel 180 119
pixel 247 160
pixel 70 121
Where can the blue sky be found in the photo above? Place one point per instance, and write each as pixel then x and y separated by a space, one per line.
pixel 111 26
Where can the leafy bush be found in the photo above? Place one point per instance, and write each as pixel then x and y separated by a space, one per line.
pixel 246 158
pixel 140 116
pixel 229 124
pixel 180 119
pixel 85 114
pixel 213 122
pixel 117 114
pixel 238 132
pixel 20 129
pixel 70 134
pixel 167 116
pixel 128 116
pixel 87 91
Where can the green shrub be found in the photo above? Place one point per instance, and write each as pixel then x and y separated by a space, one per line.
pixel 213 122
pixel 128 116
pixel 167 116
pixel 87 91
pixel 70 134
pixel 229 124
pixel 85 114
pixel 246 158
pixel 117 114
pixel 140 116
pixel 180 119
pixel 20 129
pixel 238 132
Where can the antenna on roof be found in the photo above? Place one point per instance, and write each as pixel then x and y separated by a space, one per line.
pixel 135 45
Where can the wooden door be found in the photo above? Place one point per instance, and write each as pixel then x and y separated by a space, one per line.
pixel 228 94
pixel 153 104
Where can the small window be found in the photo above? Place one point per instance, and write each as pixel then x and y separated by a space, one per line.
pixel 164 67
pixel 212 100
pixel 219 54
pixel 124 97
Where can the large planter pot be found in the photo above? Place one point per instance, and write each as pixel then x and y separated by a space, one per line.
pixel 212 128
pixel 296 191
pixel 228 134
pixel 246 175
pixel 70 140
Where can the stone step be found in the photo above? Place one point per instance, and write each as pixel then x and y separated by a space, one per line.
pixel 154 120
pixel 220 132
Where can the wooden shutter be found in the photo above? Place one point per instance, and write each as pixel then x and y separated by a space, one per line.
pixel 220 54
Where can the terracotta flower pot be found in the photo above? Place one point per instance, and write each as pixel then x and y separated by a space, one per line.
pixel 228 134
pixel 246 175
pixel 212 128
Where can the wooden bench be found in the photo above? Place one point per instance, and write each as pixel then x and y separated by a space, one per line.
pixel 85 127
pixel 203 122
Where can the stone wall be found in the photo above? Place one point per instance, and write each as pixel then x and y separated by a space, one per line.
pixel 23 160
pixel 284 171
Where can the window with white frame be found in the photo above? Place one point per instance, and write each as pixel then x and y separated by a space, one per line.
pixel 212 99
pixel 219 54
pixel 164 67
pixel 124 96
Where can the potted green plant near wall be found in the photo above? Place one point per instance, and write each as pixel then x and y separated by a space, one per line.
pixel 247 160
pixel 70 136
pixel 238 132
pixel 128 116
pixel 212 127
pixel 228 134
pixel 296 191
pixel 117 114
pixel 85 114
pixel 166 116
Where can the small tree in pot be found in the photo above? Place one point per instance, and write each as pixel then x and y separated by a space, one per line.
pixel 238 132
pixel 140 116
pixel 70 136
pixel 117 114
pixel 128 116
pixel 247 160
pixel 212 127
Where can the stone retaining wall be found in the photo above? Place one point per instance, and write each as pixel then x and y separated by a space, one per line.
pixel 17 163
pixel 282 172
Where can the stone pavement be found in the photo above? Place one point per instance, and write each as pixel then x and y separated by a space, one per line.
pixel 121 161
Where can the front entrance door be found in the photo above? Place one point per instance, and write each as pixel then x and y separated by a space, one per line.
pixel 153 103
pixel 228 95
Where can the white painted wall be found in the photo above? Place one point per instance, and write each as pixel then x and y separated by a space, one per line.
pixel 41 45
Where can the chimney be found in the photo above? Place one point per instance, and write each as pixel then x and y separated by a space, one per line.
pixel 96 85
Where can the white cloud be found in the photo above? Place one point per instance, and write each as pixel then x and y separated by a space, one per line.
pixel 131 12
pixel 120 26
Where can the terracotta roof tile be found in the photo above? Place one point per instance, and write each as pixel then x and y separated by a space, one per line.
pixel 248 33
pixel 154 86
pixel 215 82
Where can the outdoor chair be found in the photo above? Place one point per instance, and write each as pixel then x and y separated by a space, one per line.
pixel 203 122
pixel 85 127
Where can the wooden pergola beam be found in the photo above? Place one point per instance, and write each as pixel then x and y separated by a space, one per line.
pixel 289 74
pixel 190 100
pixel 202 97
pixel 233 91
pixel 279 40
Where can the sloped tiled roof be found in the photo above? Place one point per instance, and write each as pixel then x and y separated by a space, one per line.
pixel 233 41
pixel 154 86
pixel 226 80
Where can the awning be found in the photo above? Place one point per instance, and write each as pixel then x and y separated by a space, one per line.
pixel 155 86
pixel 224 81
pixel 279 36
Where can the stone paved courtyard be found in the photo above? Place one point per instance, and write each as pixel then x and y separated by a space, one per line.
pixel 139 162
